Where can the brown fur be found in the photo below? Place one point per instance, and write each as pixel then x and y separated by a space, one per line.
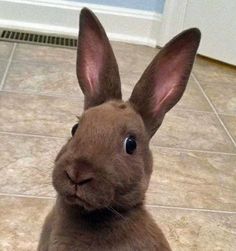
pixel 100 187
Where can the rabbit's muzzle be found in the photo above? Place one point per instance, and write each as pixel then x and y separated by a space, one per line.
pixel 81 174
pixel 82 183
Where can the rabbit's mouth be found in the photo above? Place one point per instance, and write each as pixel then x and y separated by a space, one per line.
pixel 75 199
pixel 90 193
pixel 88 199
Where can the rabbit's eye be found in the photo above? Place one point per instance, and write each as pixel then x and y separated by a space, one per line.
pixel 130 144
pixel 74 128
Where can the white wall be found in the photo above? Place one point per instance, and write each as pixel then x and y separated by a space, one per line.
pixel 148 5
pixel 61 17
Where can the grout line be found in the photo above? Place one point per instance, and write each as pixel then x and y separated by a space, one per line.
pixel 152 146
pixel 27 196
pixel 73 98
pixel 191 209
pixel 8 66
pixel 191 150
pixel 177 108
pixel 214 109
pixel 40 63
pixel 77 98
pixel 32 135
pixel 147 205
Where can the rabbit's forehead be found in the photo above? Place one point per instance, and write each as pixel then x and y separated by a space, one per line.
pixel 115 114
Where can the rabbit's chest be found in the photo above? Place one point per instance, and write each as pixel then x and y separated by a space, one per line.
pixel 98 240
pixel 93 246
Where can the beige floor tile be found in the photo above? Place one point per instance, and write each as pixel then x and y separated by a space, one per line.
pixel 230 122
pixel 193 130
pixel 5 50
pixel 210 71
pixel 61 80
pixel 57 79
pixel 133 58
pixel 222 95
pixel 185 179
pixel 44 54
pixel 193 179
pixel 193 99
pixel 35 114
pixel 26 164
pixel 21 220
pixel 219 82
pixel 3 65
pixel 197 231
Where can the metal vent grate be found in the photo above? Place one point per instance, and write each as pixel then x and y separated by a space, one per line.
pixel 16 36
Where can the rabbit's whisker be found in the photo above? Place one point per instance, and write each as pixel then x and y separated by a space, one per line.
pixel 133 226
pixel 111 209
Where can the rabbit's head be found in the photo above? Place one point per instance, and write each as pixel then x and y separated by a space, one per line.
pixel 107 162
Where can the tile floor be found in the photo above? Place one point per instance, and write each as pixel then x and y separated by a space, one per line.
pixel 192 194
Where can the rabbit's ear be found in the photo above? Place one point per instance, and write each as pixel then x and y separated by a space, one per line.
pixel 97 69
pixel 164 81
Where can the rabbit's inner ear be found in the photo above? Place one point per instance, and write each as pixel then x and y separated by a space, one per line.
pixel 97 70
pixel 164 81
pixel 90 69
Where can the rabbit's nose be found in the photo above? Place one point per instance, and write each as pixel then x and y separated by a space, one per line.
pixel 80 174
pixel 79 179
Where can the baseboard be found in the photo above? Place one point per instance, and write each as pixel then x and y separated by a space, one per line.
pixel 61 17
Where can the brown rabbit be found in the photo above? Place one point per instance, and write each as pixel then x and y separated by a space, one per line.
pixel 102 173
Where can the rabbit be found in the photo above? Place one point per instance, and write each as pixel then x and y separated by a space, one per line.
pixel 102 173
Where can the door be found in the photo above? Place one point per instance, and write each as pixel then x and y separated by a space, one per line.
pixel 216 20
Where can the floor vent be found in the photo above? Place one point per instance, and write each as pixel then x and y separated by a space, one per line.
pixel 33 38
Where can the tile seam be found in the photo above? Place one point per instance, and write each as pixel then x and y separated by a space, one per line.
pixel 40 94
pixel 7 67
pixel 191 209
pixel 74 98
pixel 193 150
pixel 152 146
pixel 147 205
pixel 26 196
pixel 33 135
pixel 38 63
pixel 215 111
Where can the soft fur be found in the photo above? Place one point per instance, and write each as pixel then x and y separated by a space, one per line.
pixel 100 187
